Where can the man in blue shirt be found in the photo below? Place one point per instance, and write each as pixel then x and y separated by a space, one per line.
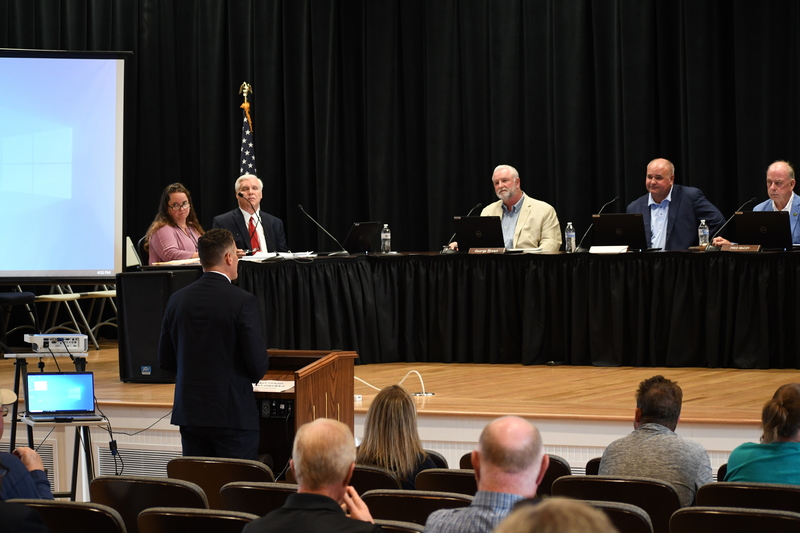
pixel 509 465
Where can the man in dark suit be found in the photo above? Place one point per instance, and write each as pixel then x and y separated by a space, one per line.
pixel 211 339
pixel 253 230
pixel 323 458
pixel 672 212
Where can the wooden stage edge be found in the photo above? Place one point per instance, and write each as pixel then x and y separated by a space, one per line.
pixel 710 396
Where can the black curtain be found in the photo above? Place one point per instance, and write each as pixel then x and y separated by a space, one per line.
pixel 398 110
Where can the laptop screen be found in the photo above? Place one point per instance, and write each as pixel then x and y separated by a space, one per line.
pixel 361 236
pixel 59 393
pixel 478 232
pixel 770 229
pixel 620 229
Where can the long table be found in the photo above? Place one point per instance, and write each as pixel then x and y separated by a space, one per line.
pixel 658 309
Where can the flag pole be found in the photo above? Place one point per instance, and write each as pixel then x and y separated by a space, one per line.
pixel 245 89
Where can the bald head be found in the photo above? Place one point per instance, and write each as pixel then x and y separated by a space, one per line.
pixel 659 180
pixel 323 453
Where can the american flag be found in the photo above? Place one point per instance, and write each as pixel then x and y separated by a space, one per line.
pixel 247 163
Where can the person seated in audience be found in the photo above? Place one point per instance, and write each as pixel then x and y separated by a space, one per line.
pixel 22 470
pixel 556 515
pixel 776 459
pixel 391 440
pixel 323 458
pixel 653 449
pixel 509 465
pixel 175 230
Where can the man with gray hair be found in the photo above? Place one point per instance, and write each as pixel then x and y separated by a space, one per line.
pixel 509 465
pixel 323 458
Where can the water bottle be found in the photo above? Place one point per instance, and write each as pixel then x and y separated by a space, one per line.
pixel 386 239
pixel 569 238
pixel 702 233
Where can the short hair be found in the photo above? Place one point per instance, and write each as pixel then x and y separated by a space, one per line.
pixel 659 401
pixel 212 247
pixel 247 177
pixel 512 459
pixel 322 453
pixel 780 416
pixel 556 515
pixel 788 165
pixel 512 169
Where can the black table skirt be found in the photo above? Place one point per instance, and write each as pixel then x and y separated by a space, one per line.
pixel 662 309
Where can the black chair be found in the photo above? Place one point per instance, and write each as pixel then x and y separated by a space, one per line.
pixel 593 466
pixel 368 477
pixel 174 519
pixel 76 517
pixel 465 463
pixel 750 495
pixel 255 498
pixel 721 471
pixel 658 498
pixel 447 480
pixel 733 520
pixel 396 526
pixel 212 473
pixel 144 256
pixel 626 518
pixel 437 458
pixel 411 505
pixel 559 467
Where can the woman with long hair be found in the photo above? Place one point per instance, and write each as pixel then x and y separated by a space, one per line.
pixel 391 440
pixel 175 230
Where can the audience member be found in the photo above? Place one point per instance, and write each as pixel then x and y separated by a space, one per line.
pixel 22 470
pixel 557 515
pixel 653 449
pixel 175 230
pixel 323 458
pixel 777 458
pixel 509 465
pixel 253 230
pixel 391 440
pixel 673 212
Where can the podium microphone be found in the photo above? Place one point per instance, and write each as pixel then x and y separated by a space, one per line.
pixel 580 247
pixel 711 247
pixel 446 248
pixel 258 217
pixel 342 251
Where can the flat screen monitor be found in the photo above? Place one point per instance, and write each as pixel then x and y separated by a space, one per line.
pixel 61 135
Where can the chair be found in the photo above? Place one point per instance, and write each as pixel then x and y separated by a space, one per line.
pixel 255 498
pixel 396 526
pixel 212 473
pixel 144 256
pixel 465 463
pixel 447 480
pixel 626 518
pixel 750 495
pixel 559 467
pixel 76 517
pixel 733 520
pixel 437 458
pixel 593 466
pixel 102 293
pixel 130 495
pixel 721 471
pixel 368 477
pixel 172 519
pixel 658 498
pixel 411 505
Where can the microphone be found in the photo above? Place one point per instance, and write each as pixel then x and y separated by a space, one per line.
pixel 258 217
pixel 331 254
pixel 446 248
pixel 580 247
pixel 711 247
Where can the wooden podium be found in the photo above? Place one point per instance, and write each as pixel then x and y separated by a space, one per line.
pixel 323 388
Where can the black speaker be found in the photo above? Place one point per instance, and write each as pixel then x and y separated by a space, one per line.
pixel 141 300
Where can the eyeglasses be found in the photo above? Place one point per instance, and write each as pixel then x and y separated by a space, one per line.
pixel 176 207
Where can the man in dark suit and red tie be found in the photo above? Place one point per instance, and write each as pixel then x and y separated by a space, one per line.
pixel 211 339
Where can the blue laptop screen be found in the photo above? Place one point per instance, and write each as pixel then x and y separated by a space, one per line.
pixel 70 392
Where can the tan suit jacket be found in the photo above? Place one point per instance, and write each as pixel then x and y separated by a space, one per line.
pixel 537 225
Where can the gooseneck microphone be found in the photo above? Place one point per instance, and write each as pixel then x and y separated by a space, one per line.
pixel 580 247
pixel 342 251
pixel 258 217
pixel 446 248
pixel 711 247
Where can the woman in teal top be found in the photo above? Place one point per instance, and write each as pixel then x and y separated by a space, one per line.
pixel 777 458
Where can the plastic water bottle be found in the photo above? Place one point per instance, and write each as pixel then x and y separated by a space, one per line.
pixel 702 233
pixel 386 239
pixel 569 238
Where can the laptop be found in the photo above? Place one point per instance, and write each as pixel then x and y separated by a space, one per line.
pixel 478 232
pixel 361 237
pixel 771 229
pixel 620 229
pixel 60 397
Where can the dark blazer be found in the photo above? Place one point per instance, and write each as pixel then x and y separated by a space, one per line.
pixel 309 513
pixel 233 221
pixel 686 209
pixel 211 339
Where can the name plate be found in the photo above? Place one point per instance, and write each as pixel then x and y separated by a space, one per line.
pixel 741 248
pixel 487 250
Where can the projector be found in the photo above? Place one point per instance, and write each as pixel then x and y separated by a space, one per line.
pixel 65 343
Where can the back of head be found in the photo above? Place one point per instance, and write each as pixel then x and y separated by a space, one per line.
pixel 557 515
pixel 659 400
pixel 391 439
pixel 322 454
pixel 212 247
pixel 781 414
pixel 510 457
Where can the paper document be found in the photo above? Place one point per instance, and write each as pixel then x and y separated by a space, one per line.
pixel 192 261
pixel 616 249
pixel 525 250
pixel 272 386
